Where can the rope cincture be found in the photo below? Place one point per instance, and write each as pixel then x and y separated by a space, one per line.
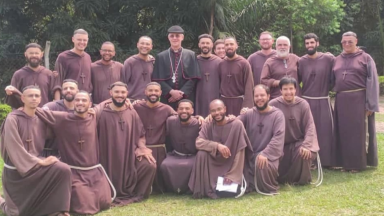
pixel 319 172
pixel 243 187
pixel 255 181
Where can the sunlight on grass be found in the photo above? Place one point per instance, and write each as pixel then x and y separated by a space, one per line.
pixel 379 117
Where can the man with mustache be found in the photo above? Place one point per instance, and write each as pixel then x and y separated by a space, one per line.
pixel 357 100
pixel 67 104
pixel 77 138
pixel 300 143
pixel 137 70
pixel 32 184
pixel 153 115
pixel 236 79
pixel 182 131
pixel 279 66
pixel 127 161
pixel 33 74
pixel 76 63
pixel 265 126
pixel 177 70
pixel 222 146
pixel 258 58
pixel 104 72
pixel 219 48
pixel 315 73
pixel 208 87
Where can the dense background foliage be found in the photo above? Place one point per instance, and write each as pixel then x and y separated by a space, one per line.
pixel 124 21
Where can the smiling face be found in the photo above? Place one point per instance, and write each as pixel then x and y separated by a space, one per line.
pixel 230 47
pixel 31 98
pixel 288 92
pixel 220 50
pixel 69 90
pixel 80 42
pixel 82 102
pixel 119 94
pixel 153 93
pixel 107 52
pixel 34 56
pixel 205 45
pixel 144 45
pixel 282 48
pixel 217 110
pixel 175 39
pixel 261 98
pixel 266 41
pixel 349 44
pixel 185 111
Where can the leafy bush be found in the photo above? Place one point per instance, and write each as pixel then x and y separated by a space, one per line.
pixel 4 110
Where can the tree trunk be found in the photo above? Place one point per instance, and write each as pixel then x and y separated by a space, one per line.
pixel 212 17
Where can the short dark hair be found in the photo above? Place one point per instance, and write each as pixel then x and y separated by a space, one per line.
pixel 118 83
pixel 84 92
pixel 31 87
pixel 287 80
pixel 33 45
pixel 205 36
pixel 153 83
pixel 185 101
pixel 108 43
pixel 310 36
pixel 350 33
pixel 230 37
pixel 70 80
pixel 266 88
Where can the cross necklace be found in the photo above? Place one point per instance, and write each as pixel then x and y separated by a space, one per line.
pixel 120 114
pixel 261 125
pixel 81 140
pixel 144 72
pixel 346 63
pixel 36 77
pixel 106 73
pixel 177 66
pixel 28 140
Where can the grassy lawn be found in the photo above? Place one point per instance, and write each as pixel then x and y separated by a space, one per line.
pixel 340 194
pixel 379 117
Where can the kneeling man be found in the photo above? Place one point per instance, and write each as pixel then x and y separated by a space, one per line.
pixel 222 145
pixel 182 131
pixel 300 144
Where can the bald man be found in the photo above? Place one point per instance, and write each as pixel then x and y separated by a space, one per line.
pixel 281 65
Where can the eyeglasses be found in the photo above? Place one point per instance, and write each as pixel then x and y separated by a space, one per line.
pixel 107 51
pixel 174 35
pixel 265 39
pixel 347 42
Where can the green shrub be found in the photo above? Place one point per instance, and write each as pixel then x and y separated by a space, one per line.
pixel 4 110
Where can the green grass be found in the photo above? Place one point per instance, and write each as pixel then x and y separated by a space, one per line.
pixel 340 194
pixel 379 117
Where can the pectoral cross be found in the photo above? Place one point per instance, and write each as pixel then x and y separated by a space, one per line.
pixel 81 142
pixel 144 74
pixel 291 119
pixel 313 74
pixel 121 122
pixel 29 141
pixel 344 73
pixel 229 77
pixel 206 76
pixel 82 76
pixel 150 129
pixel 260 125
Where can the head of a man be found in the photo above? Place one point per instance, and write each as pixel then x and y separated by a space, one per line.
pixel 175 36
pixel 231 46
pixel 153 92
pixel 205 43
pixel 82 102
pixel 144 45
pixel 69 89
pixel 261 95
pixel 283 45
pixel 349 42
pixel 185 110
pixel 288 88
pixel 33 54
pixel 311 43
pixel 80 40
pixel 107 51
pixel 266 40
pixel 217 110
pixel 31 97
pixel 119 93
pixel 219 48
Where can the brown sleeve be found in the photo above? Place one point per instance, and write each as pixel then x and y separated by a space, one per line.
pixel 126 73
pixel 310 139
pixel 21 159
pixel 274 149
pixel 14 100
pixel 204 144
pixel 265 77
pixel 248 80
pixel 235 174
pixel 59 68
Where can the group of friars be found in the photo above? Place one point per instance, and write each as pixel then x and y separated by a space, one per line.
pixel 269 120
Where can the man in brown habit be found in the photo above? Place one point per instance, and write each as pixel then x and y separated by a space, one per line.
pixel 137 70
pixel 221 145
pixel 315 73
pixel 76 63
pixel 300 143
pixel 258 58
pixel 177 70
pixel 33 74
pixel 127 161
pixel 153 115
pixel 265 126
pixel 281 65
pixel 32 185
pixel 67 104
pixel 357 100
pixel 208 87
pixel 79 148
pixel 236 79
pixel 182 131
pixel 104 72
